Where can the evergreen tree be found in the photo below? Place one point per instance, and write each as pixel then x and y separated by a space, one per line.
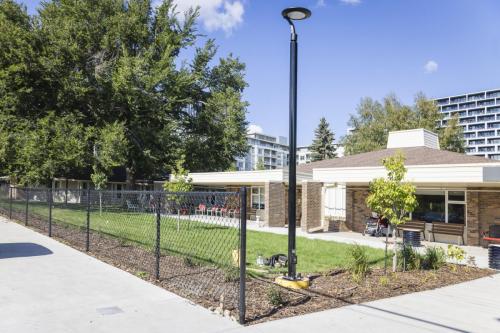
pixel 322 147
pixel 452 136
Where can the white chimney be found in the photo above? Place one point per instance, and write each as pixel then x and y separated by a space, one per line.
pixel 418 137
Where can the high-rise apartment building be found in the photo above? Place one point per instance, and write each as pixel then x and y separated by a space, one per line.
pixel 479 115
pixel 271 150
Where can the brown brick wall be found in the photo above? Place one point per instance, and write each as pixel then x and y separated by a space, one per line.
pixel 472 218
pixel 275 205
pixel 311 205
pixel 356 209
pixel 298 207
pixel 488 214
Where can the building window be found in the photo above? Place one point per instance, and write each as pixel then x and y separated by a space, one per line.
pixel 440 206
pixel 431 206
pixel 257 198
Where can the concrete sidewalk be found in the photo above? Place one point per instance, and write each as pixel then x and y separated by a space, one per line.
pixel 469 307
pixel 46 286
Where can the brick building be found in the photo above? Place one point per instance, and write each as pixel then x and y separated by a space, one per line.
pixel 451 187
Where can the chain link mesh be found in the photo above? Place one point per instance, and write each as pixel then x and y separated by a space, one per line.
pixel 188 243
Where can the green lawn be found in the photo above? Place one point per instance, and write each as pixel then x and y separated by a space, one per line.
pixel 206 242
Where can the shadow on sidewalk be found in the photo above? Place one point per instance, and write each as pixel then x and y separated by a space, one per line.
pixel 16 250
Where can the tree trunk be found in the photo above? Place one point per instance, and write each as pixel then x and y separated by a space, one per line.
pixel 395 254
pixel 386 245
pixel 130 178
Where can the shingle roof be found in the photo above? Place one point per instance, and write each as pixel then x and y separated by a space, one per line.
pixel 414 156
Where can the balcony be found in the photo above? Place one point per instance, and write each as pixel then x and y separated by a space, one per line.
pixel 458 99
pixel 486 102
pixel 486 118
pixel 476 127
pixel 486 149
pixel 476 112
pixel 485 134
pixel 475 97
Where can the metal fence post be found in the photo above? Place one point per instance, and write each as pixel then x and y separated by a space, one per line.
pixel 26 192
pixel 49 199
pixel 243 254
pixel 87 236
pixel 157 247
pixel 10 202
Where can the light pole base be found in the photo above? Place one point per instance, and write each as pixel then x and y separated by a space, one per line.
pixel 293 283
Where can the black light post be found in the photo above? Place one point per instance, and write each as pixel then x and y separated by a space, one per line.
pixel 292 14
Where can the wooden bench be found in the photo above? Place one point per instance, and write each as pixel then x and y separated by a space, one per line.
pixel 448 229
pixel 418 225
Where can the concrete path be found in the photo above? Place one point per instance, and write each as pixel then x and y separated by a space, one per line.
pixel 46 286
pixel 469 307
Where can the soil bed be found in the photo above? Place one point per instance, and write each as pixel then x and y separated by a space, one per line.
pixel 205 284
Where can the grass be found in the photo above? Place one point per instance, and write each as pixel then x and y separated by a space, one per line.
pixel 201 241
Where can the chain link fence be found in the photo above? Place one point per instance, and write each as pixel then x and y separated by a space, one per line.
pixel 192 243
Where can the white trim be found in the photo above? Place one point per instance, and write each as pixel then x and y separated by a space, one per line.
pixel 465 174
pixel 256 177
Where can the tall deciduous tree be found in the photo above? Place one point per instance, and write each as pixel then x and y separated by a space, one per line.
pixel 374 120
pixel 392 197
pixel 323 147
pixel 102 62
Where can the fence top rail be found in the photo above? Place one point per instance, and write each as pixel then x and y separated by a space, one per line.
pixel 157 192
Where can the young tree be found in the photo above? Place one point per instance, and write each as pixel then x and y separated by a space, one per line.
pixel 322 147
pixel 374 120
pixel 179 182
pixel 392 197
pixel 179 178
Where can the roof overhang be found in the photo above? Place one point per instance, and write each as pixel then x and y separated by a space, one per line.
pixel 258 177
pixel 477 175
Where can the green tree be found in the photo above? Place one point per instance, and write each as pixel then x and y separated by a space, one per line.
pixel 260 164
pixel 392 197
pixel 109 61
pixel 322 147
pixel 452 136
pixel 374 120
pixel 179 178
pixel 53 146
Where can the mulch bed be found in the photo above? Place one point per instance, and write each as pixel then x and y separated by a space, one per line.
pixel 209 285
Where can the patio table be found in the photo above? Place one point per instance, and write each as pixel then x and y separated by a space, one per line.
pixel 411 237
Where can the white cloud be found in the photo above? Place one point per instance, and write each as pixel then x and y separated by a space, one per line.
pixel 252 128
pixel 320 3
pixel 431 66
pixel 224 15
pixel 351 2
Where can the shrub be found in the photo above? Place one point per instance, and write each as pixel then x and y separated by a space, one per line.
pixel 384 281
pixel 409 258
pixel 358 265
pixel 231 274
pixel 434 258
pixel 456 254
pixel 275 296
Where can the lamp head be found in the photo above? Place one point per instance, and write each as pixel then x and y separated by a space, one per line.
pixel 296 13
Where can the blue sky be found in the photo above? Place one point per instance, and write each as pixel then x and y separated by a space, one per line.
pixel 351 49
